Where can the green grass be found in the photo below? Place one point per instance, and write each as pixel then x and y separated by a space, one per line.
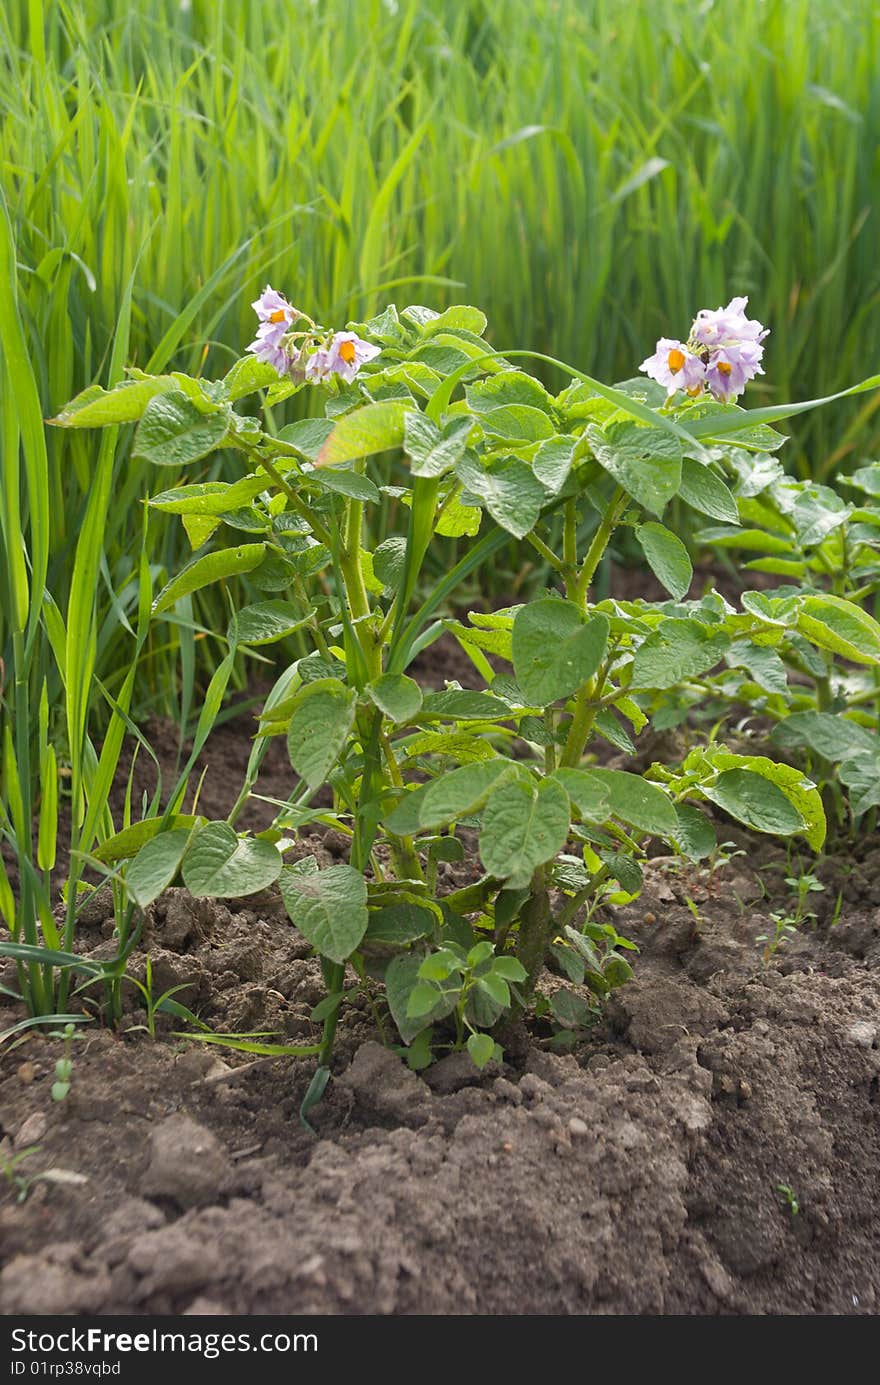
pixel 588 172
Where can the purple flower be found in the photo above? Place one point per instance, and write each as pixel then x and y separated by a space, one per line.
pixel 726 326
pixel 276 317
pixel 730 369
pixel 675 367
pixel 344 356
pixel 347 353
pixel 318 365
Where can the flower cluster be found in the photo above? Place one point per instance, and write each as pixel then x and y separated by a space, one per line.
pixel 721 355
pixel 307 354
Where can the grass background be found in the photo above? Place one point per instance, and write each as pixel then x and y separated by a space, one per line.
pixel 589 172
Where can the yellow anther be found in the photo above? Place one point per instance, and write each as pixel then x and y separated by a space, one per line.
pixel 676 360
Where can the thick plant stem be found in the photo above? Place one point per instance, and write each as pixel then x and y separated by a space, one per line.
pixel 596 550
pixel 535 928
pixel 334 977
pixel 569 538
pixel 403 850
pixel 581 725
pixel 355 587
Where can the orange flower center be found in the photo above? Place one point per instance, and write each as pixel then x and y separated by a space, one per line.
pixel 346 351
pixel 277 316
pixel 724 368
pixel 676 360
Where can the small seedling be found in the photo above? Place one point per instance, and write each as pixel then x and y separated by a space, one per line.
pixel 788 1198
pixel 64 1066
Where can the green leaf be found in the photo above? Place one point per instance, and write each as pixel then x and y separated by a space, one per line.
pixel 344 482
pixel 329 908
pixel 570 1010
pixel 667 558
pixel 307 435
pixel 839 625
pixel 827 734
pixel 678 649
pixel 646 462
pixel 461 793
pixel 518 423
pixel 265 623
pixel 481 1048
pixel 591 798
pixel 861 777
pixel 625 870
pixel 219 863
pixel 755 801
pixel 125 403
pixel 522 826
pixel 555 649
pixel 496 988
pixel 374 428
pixel 399 697
pixel 634 800
pixel 508 388
pixel 458 704
pixel 401 978
pixel 772 610
pixel 509 968
pixel 704 491
pixel 212 498
pixel 422 1001
pixel 430 452
pixel 457 520
pixel 745 540
pixel 553 462
pixel 319 727
pixel 174 432
pixel 213 567
pixel 510 491
pixel 695 836
pixel 800 791
pixel 461 318
pixel 388 562
pixel 247 376
pixel 155 865
pixel 399 924
pixel 764 665
pixel 129 841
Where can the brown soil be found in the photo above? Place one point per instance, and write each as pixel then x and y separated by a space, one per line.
pixel 643 1173
pixel 639 1175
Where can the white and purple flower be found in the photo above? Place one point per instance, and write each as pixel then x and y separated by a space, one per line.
pixel 731 368
pixel 305 354
pixel 276 319
pixel 726 326
pixel 675 367
pixel 343 356
pixel 722 353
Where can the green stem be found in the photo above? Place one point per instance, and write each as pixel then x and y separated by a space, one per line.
pixel 536 924
pixel 407 860
pixel 298 504
pixel 569 536
pixel 546 553
pixel 581 725
pixel 597 548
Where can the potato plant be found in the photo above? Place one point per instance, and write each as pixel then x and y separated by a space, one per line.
pixel 428 424
pixel 814 671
